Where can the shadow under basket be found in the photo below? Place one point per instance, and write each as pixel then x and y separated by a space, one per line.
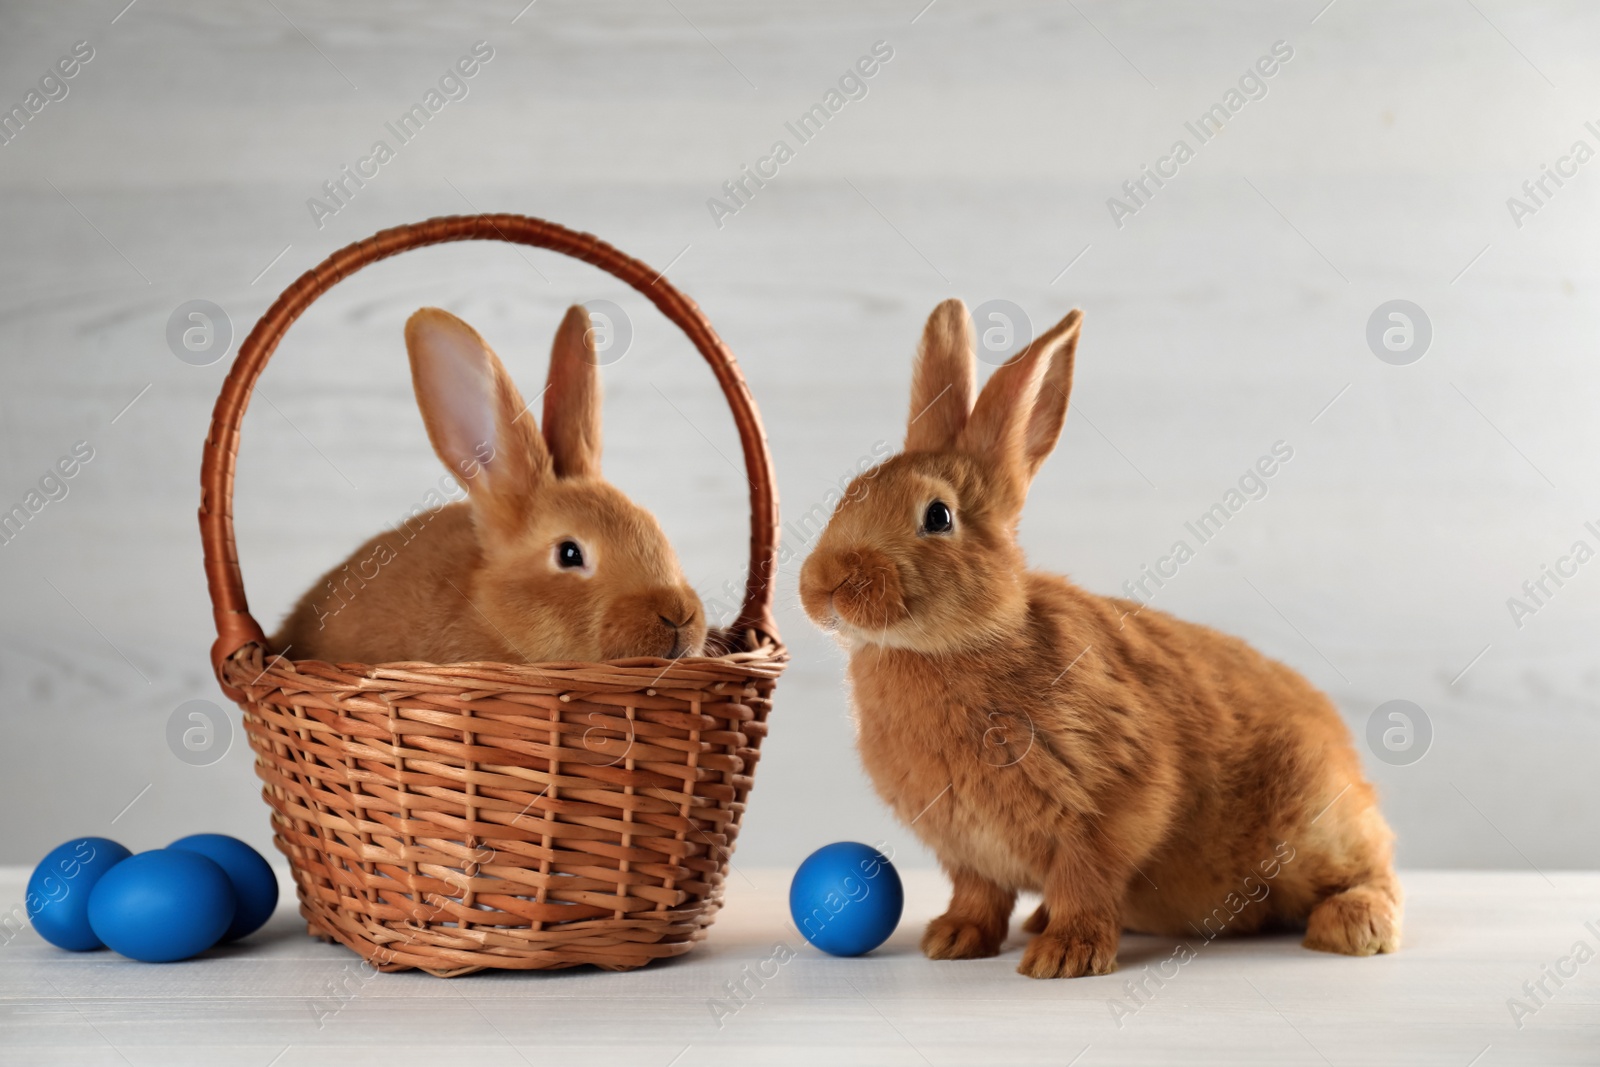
pixel 457 817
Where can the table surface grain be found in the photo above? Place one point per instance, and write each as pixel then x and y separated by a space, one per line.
pixel 281 998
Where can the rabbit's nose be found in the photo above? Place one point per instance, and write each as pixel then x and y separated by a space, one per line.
pixel 677 612
pixel 679 646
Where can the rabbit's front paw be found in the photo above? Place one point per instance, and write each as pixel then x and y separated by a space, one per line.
pixel 952 937
pixel 1057 955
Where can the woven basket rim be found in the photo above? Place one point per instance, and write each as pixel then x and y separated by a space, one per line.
pixel 766 659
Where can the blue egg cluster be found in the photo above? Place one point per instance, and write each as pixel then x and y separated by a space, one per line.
pixel 158 906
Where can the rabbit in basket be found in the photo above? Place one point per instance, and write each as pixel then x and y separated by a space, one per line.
pixel 544 561
pixel 1137 771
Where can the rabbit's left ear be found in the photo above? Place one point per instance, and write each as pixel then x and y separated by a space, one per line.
pixel 1018 416
pixel 474 416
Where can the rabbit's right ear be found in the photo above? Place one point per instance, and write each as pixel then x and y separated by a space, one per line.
pixel 479 426
pixel 572 398
pixel 1018 416
pixel 944 381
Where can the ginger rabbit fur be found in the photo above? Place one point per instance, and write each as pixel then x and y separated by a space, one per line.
pixel 1137 771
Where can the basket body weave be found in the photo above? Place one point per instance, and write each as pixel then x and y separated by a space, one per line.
pixel 534 817
pixel 457 817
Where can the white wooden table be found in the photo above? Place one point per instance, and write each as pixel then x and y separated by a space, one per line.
pixel 281 998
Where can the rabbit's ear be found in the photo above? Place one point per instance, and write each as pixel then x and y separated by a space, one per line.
pixel 1018 417
pixel 479 426
pixel 944 381
pixel 1050 409
pixel 572 398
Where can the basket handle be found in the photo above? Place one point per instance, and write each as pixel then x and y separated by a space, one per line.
pixel 236 628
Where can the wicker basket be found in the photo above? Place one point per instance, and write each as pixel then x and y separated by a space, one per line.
pixel 456 817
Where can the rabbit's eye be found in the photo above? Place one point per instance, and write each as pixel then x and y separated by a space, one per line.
pixel 937 519
pixel 569 555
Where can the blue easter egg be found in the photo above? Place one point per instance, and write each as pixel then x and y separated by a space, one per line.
pixel 254 885
pixel 161 906
pixel 58 893
pixel 846 898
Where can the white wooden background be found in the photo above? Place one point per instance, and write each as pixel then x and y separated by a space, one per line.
pixel 1226 315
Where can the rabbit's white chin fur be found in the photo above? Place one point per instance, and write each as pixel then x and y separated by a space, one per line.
pixel 906 637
